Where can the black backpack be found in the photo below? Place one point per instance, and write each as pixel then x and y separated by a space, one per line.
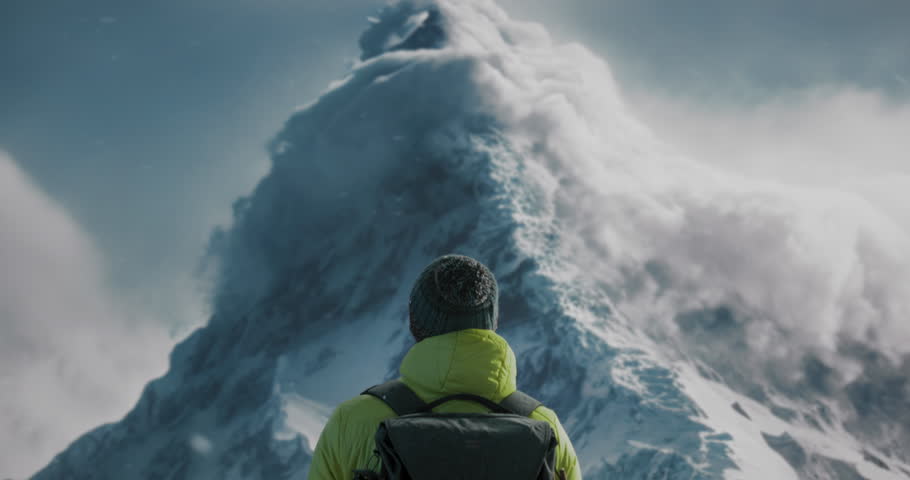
pixel 419 444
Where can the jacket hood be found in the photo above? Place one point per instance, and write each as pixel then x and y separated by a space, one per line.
pixel 473 361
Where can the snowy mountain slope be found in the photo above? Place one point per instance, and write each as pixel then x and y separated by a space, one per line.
pixel 683 323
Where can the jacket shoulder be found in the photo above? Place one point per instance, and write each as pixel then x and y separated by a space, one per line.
pixel 346 442
pixel 546 414
pixel 566 459
pixel 363 411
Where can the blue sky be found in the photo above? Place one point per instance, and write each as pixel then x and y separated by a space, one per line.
pixel 146 120
pixel 739 51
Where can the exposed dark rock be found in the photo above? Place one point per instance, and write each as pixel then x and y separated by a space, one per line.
pixel 739 409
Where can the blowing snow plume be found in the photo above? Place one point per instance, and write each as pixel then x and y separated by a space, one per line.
pixel 684 323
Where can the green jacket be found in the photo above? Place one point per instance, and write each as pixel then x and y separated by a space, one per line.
pixel 467 361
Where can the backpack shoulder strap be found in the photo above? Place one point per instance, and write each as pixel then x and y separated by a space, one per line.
pixel 520 403
pixel 397 396
pixel 493 406
pixel 404 401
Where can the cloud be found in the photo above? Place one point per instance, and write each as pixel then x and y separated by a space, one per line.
pixel 824 136
pixel 812 248
pixel 836 158
pixel 70 358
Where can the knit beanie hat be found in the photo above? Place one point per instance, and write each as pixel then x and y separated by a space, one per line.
pixel 454 292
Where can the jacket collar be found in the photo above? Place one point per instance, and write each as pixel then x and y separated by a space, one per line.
pixel 473 361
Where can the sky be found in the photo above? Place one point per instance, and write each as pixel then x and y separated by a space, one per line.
pixel 129 128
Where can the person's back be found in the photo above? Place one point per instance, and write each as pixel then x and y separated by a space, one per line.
pixel 454 312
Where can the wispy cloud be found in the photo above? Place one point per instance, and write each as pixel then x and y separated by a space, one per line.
pixel 846 139
pixel 70 358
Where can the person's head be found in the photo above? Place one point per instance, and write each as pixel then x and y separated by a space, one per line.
pixel 454 292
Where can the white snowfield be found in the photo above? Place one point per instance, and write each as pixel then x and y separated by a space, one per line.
pixel 684 323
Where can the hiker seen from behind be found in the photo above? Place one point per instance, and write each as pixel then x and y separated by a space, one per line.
pixel 455 411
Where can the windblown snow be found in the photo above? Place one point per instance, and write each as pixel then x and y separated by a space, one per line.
pixel 685 323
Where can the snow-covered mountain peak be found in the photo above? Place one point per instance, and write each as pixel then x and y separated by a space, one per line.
pixel 684 323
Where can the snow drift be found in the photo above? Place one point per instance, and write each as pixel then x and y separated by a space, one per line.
pixel 684 323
